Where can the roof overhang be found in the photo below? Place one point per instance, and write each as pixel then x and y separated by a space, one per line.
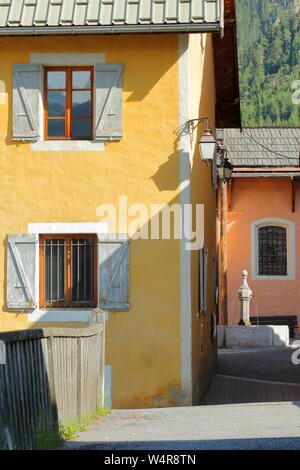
pixel 288 172
pixel 111 29
pixel 266 175
pixel 228 112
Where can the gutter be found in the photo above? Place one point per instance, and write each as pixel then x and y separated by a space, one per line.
pixel 115 29
pixel 266 175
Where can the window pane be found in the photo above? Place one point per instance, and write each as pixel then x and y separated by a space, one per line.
pixel 81 127
pixel 81 103
pixel 82 269
pixel 56 80
pixel 54 270
pixel 56 128
pixel 272 251
pixel 81 79
pixel 56 103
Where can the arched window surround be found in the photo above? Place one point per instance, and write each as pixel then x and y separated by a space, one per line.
pixel 291 248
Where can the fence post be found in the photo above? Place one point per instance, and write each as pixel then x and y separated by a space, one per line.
pixel 245 295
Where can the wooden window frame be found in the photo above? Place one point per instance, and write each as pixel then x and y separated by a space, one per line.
pixel 68 90
pixel 68 273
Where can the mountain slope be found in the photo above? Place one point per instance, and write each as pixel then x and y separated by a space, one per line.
pixel 269 61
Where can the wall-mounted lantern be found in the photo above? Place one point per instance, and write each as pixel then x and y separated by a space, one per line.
pixel 207 145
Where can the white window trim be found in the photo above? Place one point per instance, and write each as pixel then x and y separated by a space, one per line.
pixel 64 145
pixel 291 240
pixel 68 314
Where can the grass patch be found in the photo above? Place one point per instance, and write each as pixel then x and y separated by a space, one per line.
pixel 70 431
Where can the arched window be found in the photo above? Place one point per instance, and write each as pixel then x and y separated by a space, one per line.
pixel 272 251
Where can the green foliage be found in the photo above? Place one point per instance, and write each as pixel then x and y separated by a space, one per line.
pixel 47 436
pixel 269 61
pixel 69 431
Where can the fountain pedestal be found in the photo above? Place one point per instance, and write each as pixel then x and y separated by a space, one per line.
pixel 245 295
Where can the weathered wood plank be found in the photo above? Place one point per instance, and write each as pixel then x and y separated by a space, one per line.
pixel 51 376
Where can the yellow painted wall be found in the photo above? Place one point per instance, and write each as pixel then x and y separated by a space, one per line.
pixel 143 344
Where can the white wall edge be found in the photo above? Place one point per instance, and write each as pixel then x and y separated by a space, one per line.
pixel 61 316
pixel 185 255
pixel 108 387
pixel 68 227
pixel 67 59
pixel 67 146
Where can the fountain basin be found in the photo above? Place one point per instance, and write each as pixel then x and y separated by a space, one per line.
pixel 254 336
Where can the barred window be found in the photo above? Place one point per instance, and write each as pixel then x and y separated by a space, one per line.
pixel 68 275
pixel 272 251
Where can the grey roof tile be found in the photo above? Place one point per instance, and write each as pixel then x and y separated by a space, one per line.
pixel 263 146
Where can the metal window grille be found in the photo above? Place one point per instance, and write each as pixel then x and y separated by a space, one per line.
pixel 272 251
pixel 76 256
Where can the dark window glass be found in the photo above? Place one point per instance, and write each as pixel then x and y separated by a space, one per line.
pixel 82 269
pixel 81 128
pixel 272 251
pixel 54 270
pixel 81 103
pixel 56 128
pixel 56 103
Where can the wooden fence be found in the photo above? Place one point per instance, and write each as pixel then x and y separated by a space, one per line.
pixel 51 376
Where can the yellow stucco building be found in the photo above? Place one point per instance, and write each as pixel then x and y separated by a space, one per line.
pixel 91 118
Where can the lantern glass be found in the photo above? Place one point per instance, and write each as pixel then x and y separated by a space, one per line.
pixel 207 145
pixel 207 150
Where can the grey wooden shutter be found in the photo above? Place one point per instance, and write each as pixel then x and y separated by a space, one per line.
pixel 26 90
pixel 113 272
pixel 108 101
pixel 21 271
pixel 203 254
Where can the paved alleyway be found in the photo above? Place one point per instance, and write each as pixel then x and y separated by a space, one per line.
pixel 255 375
pixel 253 403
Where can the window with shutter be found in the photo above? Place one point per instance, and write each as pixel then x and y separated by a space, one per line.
pixel 75 270
pixel 80 103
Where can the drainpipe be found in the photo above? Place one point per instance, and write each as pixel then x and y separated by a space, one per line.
pixel 223 255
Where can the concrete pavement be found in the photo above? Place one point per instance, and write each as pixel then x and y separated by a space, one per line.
pixel 244 426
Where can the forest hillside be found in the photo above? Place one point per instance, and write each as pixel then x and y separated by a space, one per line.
pixel 269 61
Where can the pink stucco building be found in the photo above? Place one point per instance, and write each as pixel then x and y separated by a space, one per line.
pixel 263 220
